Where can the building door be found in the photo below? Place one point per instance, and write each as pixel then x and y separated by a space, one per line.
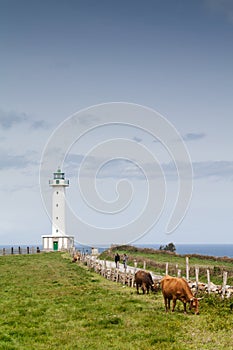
pixel 55 245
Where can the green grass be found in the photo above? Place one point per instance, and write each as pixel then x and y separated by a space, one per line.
pixel 47 302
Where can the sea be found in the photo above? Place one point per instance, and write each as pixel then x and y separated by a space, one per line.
pixel 218 250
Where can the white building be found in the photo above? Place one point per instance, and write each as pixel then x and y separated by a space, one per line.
pixel 58 240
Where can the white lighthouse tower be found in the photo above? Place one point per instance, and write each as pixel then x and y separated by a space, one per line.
pixel 59 240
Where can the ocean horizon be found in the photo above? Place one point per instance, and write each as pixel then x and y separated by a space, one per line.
pixel 217 250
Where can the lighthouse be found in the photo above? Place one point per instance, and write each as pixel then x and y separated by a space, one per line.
pixel 58 240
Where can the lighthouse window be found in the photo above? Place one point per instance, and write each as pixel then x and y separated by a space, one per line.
pixel 57 192
pixel 56 205
pixel 57 182
pixel 57 217
pixel 56 230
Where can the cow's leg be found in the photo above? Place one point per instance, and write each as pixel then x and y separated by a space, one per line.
pixel 166 303
pixel 143 288
pixel 173 304
pixel 184 307
pixel 137 288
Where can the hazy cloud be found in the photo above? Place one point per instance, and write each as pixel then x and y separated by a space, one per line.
pixel 14 161
pixel 12 118
pixel 193 136
pixel 121 168
pixel 221 6
pixel 214 169
pixel 39 124
pixel 137 139
pixel 87 119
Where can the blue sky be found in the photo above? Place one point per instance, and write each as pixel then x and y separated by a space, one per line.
pixel 57 57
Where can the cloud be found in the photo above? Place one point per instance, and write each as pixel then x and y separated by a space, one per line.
pixel 221 6
pixel 137 139
pixel 122 168
pixel 87 119
pixel 14 161
pixel 11 119
pixel 193 136
pixel 39 124
pixel 219 170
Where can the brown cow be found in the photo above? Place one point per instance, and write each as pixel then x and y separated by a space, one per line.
pixel 76 257
pixel 174 288
pixel 144 280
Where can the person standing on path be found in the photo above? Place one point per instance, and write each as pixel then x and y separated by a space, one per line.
pixel 117 260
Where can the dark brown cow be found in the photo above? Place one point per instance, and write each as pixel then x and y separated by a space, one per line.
pixel 144 280
pixel 174 288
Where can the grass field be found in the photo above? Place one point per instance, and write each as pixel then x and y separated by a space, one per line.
pixel 47 302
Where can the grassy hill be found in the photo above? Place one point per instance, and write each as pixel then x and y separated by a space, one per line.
pixel 47 302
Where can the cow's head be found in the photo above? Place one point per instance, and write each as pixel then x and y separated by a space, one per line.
pixel 155 287
pixel 194 304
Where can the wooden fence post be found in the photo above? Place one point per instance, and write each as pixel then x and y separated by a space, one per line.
pixel 117 275
pixel 135 265
pixel 104 269
pixel 187 268
pixel 12 250
pixel 179 273
pixel 4 251
pixel 208 280
pixel 166 272
pixel 124 276
pixel 132 283
pixel 197 277
pixel 224 283
pixel 129 278
pixel 144 265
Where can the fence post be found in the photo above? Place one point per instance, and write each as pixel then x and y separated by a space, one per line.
pixel 132 282
pixel 197 277
pixel 224 283
pixel 105 268
pixel 129 278
pixel 166 273
pixel 4 251
pixel 12 250
pixel 135 265
pixel 117 275
pixel 179 273
pixel 124 276
pixel 187 268
pixel 144 265
pixel 208 280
